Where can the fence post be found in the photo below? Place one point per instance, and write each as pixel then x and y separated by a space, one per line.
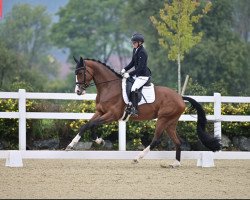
pixel 122 136
pixel 22 119
pixel 217 115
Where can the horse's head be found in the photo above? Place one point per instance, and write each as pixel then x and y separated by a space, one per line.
pixel 83 76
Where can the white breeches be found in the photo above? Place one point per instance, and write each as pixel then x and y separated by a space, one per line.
pixel 139 82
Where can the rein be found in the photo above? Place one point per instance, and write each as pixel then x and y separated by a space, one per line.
pixel 85 85
pixel 93 84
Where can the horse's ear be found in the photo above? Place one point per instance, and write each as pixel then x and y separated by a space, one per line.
pixel 75 60
pixel 81 61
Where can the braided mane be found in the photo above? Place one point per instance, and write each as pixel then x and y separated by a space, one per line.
pixel 104 64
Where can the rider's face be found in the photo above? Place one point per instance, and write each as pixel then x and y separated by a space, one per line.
pixel 135 44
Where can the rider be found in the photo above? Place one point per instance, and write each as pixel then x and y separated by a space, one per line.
pixel 141 73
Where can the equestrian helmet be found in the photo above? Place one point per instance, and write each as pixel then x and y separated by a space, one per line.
pixel 137 37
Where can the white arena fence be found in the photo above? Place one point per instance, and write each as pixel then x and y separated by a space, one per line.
pixel 22 115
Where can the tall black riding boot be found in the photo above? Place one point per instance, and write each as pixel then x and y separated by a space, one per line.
pixel 134 100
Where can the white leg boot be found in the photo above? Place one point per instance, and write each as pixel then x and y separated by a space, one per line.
pixel 73 142
pixel 141 154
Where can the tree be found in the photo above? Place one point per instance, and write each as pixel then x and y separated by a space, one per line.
pixel 136 18
pixel 175 27
pixel 24 32
pixel 241 18
pixel 9 67
pixel 90 28
pixel 222 59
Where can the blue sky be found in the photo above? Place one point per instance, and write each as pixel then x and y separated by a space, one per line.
pixel 52 5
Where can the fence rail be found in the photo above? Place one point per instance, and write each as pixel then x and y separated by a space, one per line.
pixel 22 114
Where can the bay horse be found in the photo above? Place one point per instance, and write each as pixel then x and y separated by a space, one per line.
pixel 167 108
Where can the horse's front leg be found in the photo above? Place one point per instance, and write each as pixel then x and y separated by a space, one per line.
pixel 95 120
pixel 95 137
pixel 106 118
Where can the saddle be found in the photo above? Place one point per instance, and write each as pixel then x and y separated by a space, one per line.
pixel 129 83
pixel 146 94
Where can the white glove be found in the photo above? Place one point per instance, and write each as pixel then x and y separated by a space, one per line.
pixel 123 71
pixel 125 75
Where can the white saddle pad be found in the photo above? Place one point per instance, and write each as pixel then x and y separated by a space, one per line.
pixel 147 91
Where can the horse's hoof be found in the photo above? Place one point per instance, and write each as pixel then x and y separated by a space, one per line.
pixel 69 148
pixel 175 164
pixel 135 161
pixel 163 166
pixel 99 141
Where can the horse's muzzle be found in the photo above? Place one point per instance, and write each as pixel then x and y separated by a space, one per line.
pixel 79 92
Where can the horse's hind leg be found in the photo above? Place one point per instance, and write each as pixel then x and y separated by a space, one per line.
pixel 171 130
pixel 160 127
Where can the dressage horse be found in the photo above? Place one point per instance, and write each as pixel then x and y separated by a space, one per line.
pixel 167 107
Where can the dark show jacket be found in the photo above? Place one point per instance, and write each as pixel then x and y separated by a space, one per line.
pixel 139 61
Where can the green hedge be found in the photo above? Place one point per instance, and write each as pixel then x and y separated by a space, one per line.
pixel 138 133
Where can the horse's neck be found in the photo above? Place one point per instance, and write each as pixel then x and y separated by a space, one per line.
pixel 102 73
pixel 106 81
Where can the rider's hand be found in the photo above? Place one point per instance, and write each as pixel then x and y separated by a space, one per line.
pixel 125 75
pixel 123 71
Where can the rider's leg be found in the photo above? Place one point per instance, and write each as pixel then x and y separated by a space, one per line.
pixel 139 82
pixel 134 100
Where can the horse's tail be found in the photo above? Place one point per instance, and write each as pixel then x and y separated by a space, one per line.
pixel 212 143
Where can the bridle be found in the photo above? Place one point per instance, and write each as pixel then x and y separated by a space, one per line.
pixel 83 85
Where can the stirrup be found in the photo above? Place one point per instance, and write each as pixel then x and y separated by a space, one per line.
pixel 128 108
pixel 134 112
